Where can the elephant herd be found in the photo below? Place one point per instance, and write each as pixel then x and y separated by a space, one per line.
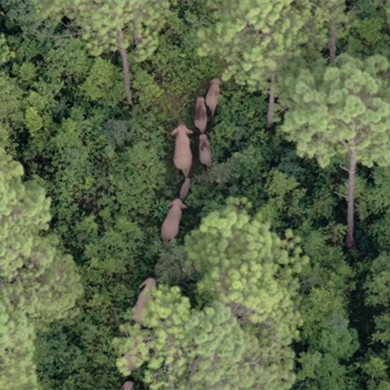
pixel 183 161
pixel 183 156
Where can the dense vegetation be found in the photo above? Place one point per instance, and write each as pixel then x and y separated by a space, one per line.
pixel 280 276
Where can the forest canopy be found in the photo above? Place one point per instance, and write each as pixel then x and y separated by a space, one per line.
pixel 194 195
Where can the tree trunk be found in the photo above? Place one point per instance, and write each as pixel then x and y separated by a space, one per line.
pixel 126 68
pixel 333 44
pixel 271 102
pixel 333 37
pixel 351 198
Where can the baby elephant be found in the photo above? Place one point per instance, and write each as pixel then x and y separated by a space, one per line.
pixel 204 150
pixel 183 156
pixel 200 118
pixel 143 299
pixel 213 95
pixel 171 225
pixel 185 188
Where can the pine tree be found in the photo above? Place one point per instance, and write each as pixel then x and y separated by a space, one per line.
pixel 329 23
pixel 256 39
pixel 251 270
pixel 342 110
pixel 242 337
pixel 115 25
pixel 38 283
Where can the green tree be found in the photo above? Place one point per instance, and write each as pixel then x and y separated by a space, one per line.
pixel 198 349
pixel 38 283
pixel 113 26
pixel 377 363
pixel 256 39
pixel 242 337
pixel 329 339
pixel 330 22
pixel 340 111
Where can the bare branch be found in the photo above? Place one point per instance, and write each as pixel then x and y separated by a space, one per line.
pixel 344 143
pixel 340 195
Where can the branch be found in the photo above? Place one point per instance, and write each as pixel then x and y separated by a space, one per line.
pixel 344 143
pixel 126 68
pixel 63 36
pixel 344 168
pixel 341 195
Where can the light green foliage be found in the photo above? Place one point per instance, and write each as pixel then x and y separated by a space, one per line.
pixel 248 274
pixel 104 84
pixel 198 349
pixel 100 22
pixel 239 258
pixel 6 53
pixel 341 108
pixel 39 284
pixel 238 255
pixel 28 71
pixel 33 121
pixel 165 317
pixel 254 38
pixel 221 344
pixel 11 108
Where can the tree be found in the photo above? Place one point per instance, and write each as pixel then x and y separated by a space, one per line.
pixel 198 349
pixel 376 285
pixel 329 23
pixel 38 283
pixel 320 366
pixel 251 270
pixel 242 337
pixel 114 26
pixel 256 39
pixel 341 110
